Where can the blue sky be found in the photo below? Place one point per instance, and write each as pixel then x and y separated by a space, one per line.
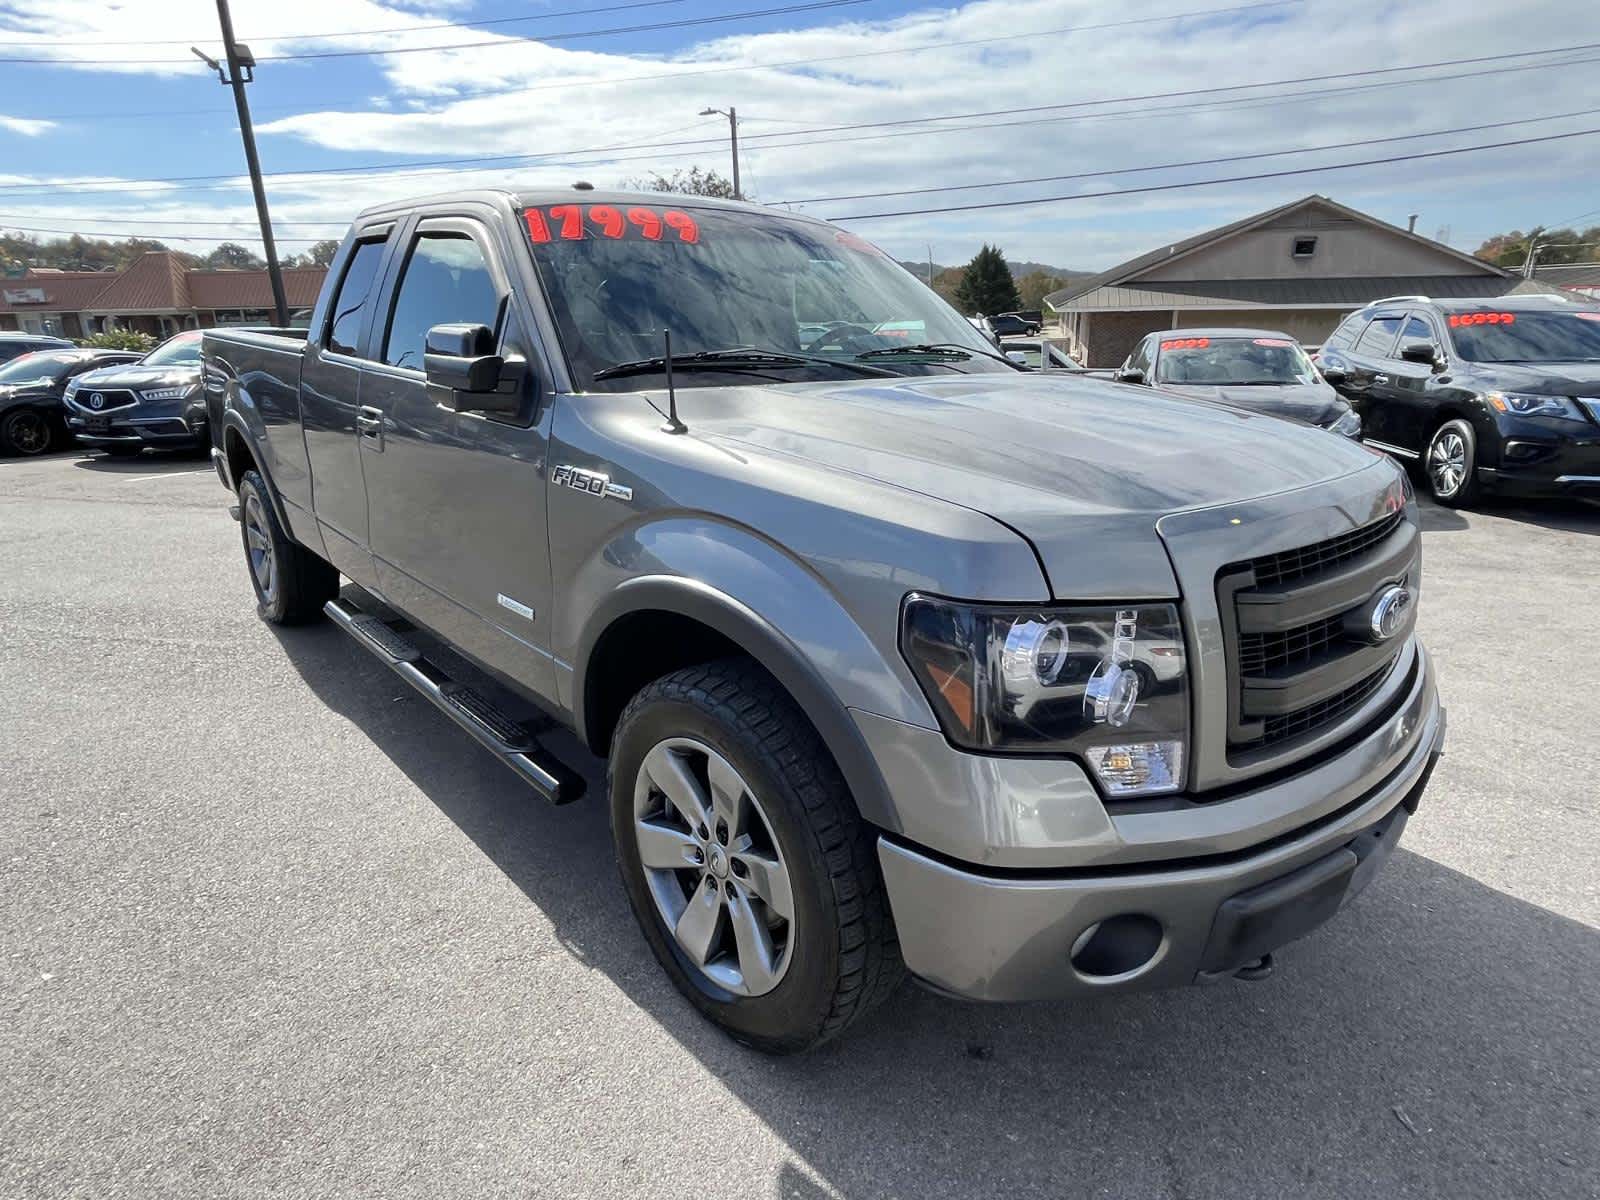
pixel 535 89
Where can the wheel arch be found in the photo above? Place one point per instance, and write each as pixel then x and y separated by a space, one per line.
pixel 668 621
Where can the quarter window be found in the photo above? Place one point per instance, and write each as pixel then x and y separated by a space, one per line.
pixel 350 304
pixel 446 281
pixel 1379 337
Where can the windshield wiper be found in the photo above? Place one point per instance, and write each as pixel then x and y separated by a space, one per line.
pixel 947 350
pixel 734 358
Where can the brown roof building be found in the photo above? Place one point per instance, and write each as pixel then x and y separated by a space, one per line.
pixel 157 294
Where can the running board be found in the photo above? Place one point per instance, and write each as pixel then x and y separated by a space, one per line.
pixel 510 740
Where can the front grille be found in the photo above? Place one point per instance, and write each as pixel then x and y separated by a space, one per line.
pixel 111 397
pixel 1313 717
pixel 1294 625
pixel 1288 566
pixel 1265 653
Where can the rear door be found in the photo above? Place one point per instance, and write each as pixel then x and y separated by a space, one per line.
pixel 457 499
pixel 330 401
pixel 1366 364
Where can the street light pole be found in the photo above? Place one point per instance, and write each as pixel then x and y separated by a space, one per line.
pixel 241 70
pixel 733 133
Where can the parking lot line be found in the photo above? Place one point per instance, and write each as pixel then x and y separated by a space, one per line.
pixel 164 475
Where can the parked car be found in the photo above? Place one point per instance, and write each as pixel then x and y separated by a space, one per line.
pixel 1031 353
pixel 1495 395
pixel 985 326
pixel 153 401
pixel 13 344
pixel 901 658
pixel 31 387
pixel 1260 370
pixel 1012 325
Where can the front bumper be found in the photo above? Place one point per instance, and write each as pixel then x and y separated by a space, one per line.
pixel 176 424
pixel 1534 461
pixel 1014 934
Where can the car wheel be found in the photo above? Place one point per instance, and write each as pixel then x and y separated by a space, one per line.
pixel 753 877
pixel 25 431
pixel 1451 463
pixel 291 583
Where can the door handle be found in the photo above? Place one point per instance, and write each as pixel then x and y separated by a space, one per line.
pixel 369 426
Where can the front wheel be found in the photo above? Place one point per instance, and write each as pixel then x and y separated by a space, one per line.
pixel 291 583
pixel 1451 464
pixel 25 431
pixel 751 874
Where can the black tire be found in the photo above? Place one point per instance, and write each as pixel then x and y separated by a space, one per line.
pixel 291 583
pixel 1450 464
pixel 123 451
pixel 26 432
pixel 844 957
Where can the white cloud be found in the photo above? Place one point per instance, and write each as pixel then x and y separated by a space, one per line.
pixel 26 126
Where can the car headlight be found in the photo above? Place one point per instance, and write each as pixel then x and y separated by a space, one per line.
pixel 1347 423
pixel 165 393
pixel 1107 683
pixel 72 388
pixel 1525 405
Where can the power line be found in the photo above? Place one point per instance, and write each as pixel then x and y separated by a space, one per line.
pixel 756 139
pixel 608 81
pixel 306 37
pixel 1199 162
pixel 128 237
pixel 569 36
pixel 1169 187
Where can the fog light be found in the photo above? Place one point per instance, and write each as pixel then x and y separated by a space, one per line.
pixel 1143 768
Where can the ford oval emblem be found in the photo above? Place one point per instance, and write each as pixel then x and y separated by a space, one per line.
pixel 97 401
pixel 1389 612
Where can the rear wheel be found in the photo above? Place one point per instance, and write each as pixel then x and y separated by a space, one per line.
pixel 752 876
pixel 1451 464
pixel 291 583
pixel 25 431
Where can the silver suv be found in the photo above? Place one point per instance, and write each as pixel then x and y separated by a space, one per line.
pixel 903 658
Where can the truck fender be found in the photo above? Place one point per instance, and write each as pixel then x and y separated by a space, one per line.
pixel 234 424
pixel 761 638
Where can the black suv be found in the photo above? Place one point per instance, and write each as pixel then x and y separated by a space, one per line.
pixel 1500 394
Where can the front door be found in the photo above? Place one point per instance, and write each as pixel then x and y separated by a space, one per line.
pixel 457 499
pixel 330 402
pixel 1408 396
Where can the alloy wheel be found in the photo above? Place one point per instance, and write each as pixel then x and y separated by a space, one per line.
pixel 1447 463
pixel 713 866
pixel 28 432
pixel 258 545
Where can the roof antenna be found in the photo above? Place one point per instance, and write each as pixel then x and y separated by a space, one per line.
pixel 673 425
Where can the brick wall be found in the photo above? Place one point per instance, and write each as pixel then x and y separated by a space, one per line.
pixel 1112 335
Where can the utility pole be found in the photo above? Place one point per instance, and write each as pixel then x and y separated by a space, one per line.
pixel 733 133
pixel 240 71
pixel 1533 251
pixel 930 264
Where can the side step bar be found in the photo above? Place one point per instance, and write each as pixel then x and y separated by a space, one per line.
pixel 511 741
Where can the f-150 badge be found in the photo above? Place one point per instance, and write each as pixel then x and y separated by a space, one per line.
pixel 590 482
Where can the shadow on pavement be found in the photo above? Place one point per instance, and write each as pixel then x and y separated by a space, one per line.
pixel 1439 1038
pixel 1566 516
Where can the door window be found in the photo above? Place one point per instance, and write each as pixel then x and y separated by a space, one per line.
pixel 1416 330
pixel 1139 360
pixel 446 281
pixel 350 304
pixel 1378 339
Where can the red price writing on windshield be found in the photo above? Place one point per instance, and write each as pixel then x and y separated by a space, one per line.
pixel 1186 344
pixel 1493 318
pixel 574 222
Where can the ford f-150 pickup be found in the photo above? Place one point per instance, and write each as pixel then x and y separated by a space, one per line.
pixel 903 658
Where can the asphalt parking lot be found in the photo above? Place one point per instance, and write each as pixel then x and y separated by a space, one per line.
pixel 271 926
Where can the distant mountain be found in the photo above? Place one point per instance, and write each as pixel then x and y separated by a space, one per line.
pixel 1018 269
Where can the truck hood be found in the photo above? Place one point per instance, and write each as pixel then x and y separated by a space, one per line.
pixel 1313 403
pixel 1080 468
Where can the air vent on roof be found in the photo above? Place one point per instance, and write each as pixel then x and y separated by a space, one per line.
pixel 1305 247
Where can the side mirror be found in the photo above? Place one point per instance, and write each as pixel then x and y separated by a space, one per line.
pixel 1334 375
pixel 1129 375
pixel 1419 352
pixel 465 373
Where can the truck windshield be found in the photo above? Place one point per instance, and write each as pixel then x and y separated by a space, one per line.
pixel 616 276
pixel 1235 361
pixel 1526 336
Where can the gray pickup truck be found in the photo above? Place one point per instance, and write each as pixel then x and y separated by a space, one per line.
pixel 903 658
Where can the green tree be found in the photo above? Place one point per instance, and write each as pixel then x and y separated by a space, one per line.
pixel 1555 246
pixel 234 257
pixel 986 285
pixel 119 339
pixel 1035 286
pixel 320 255
pixel 693 182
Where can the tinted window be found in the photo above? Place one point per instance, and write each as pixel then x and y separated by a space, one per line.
pixel 350 305
pixel 1346 333
pixel 1140 359
pixel 1416 330
pixel 40 365
pixel 446 281
pixel 1378 339
pixel 1527 336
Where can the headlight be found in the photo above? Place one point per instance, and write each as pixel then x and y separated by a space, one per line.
pixel 1525 405
pixel 72 388
pixel 165 393
pixel 1348 423
pixel 1106 683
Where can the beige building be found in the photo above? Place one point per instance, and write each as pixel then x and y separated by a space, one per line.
pixel 1300 268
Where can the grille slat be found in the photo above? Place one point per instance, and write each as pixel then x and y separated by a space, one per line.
pixel 1289 566
pixel 1313 717
pixel 1269 653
